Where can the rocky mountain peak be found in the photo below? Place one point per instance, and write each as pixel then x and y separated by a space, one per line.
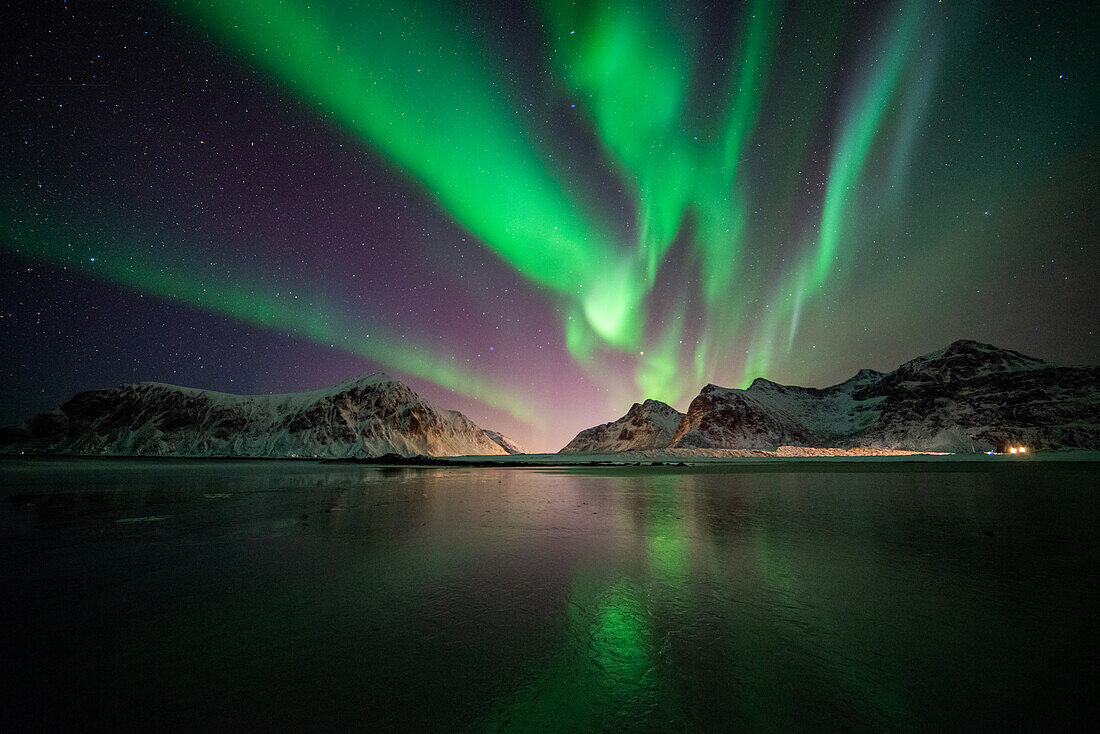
pixel 652 406
pixel 647 425
pixel 365 416
pixel 965 359
pixel 967 396
pixel 761 383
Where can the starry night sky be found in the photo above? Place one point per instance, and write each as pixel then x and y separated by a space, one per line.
pixel 538 213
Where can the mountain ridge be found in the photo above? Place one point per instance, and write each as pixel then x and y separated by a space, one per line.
pixel 967 396
pixel 646 425
pixel 363 417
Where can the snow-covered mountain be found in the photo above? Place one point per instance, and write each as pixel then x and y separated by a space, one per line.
pixel 648 425
pixel 966 396
pixel 364 417
pixel 509 446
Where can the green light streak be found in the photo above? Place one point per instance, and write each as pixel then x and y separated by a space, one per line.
pixel 606 673
pixel 632 78
pixel 231 294
pixel 602 673
pixel 407 85
pixel 722 214
pixel 918 93
pixel 632 74
pixel 658 371
pixel 403 81
pixel 759 36
pixel 667 531
pixel 856 140
pixel 620 638
pixel 408 81
pixel 613 304
pixel 618 62
pixel 757 363
pixel 579 339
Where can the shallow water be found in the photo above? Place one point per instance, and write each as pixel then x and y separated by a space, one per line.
pixel 286 595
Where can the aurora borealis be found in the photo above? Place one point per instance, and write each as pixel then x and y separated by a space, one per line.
pixel 538 213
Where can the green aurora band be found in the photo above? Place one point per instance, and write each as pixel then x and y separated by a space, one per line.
pixel 445 121
pixel 858 135
pixel 624 63
pixel 231 294
pixel 410 82
pixel 438 115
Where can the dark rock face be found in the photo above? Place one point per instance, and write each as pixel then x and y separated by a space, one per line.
pixel 962 360
pixel 722 417
pixel 365 417
pixel 968 396
pixel 648 425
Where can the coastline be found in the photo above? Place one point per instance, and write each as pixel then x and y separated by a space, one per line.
pixel 783 456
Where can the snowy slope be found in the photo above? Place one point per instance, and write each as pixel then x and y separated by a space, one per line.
pixel 363 417
pixel 968 396
pixel 648 425
pixel 964 360
pixel 509 446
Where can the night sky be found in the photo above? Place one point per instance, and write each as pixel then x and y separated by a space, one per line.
pixel 539 213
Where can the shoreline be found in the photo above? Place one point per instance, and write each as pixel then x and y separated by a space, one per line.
pixel 669 458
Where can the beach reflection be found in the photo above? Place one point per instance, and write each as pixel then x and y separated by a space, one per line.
pixel 284 594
